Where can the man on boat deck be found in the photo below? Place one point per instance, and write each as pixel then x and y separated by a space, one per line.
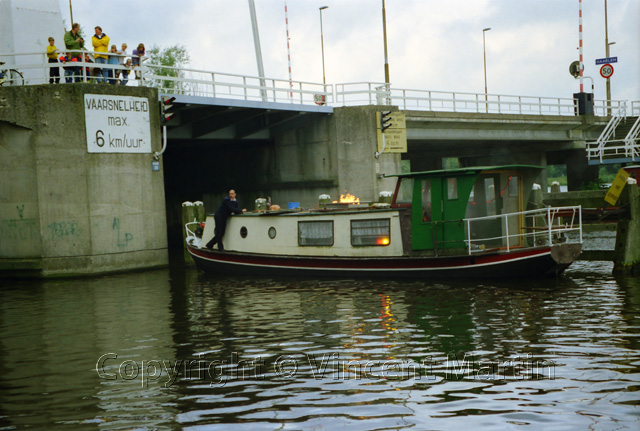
pixel 228 206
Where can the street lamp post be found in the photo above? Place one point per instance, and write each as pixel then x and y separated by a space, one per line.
pixel 607 44
pixel 324 79
pixel 484 53
pixel 386 55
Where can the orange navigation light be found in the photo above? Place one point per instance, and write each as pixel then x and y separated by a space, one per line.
pixel 382 240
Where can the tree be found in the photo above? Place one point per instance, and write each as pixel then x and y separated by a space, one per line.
pixel 173 58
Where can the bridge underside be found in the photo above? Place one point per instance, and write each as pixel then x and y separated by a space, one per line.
pixel 218 144
pixel 207 118
pixel 487 139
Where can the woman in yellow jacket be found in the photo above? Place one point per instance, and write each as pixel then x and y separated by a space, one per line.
pixel 52 57
pixel 101 44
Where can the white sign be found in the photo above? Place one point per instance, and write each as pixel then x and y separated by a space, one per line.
pixel 117 124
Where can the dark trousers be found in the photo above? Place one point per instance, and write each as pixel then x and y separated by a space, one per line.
pixel 218 233
pixel 54 72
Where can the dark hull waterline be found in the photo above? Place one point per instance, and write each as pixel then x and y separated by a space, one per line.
pixel 536 262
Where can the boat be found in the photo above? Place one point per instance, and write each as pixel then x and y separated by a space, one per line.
pixel 459 223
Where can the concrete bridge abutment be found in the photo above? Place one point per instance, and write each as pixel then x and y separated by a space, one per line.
pixel 65 211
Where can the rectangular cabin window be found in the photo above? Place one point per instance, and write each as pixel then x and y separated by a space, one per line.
pixel 452 188
pixel 426 200
pixel 513 186
pixel 315 233
pixel 405 191
pixel 490 196
pixel 370 232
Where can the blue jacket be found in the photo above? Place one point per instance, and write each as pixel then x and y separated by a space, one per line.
pixel 228 207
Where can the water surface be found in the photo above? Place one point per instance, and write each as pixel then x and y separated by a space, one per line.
pixel 178 349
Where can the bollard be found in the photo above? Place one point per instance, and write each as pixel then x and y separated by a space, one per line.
pixel 188 215
pixel 323 200
pixel 555 187
pixel 385 197
pixel 626 259
pixel 199 213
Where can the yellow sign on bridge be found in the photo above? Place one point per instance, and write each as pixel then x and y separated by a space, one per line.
pixel 616 187
pixel 395 137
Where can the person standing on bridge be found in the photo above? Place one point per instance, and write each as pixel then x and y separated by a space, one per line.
pixel 52 56
pixel 113 60
pixel 136 55
pixel 228 206
pixel 74 42
pixel 101 44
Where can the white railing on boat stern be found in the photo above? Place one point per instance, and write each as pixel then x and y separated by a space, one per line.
pixel 544 226
pixel 192 238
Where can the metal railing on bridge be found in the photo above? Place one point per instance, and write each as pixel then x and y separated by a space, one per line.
pixel 193 82
pixel 618 144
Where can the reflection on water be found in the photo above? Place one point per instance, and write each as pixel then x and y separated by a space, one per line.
pixel 180 350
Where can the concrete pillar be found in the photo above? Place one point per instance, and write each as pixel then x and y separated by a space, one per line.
pixel 627 253
pixel 579 172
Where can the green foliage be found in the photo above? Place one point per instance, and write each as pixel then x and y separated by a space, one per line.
pixel 557 173
pixel 450 162
pixel 591 185
pixel 607 173
pixel 173 57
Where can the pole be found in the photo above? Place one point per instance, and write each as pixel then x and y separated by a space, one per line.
pixel 324 79
pixel 256 42
pixel 606 42
pixel 484 53
pixel 386 56
pixel 286 21
pixel 71 13
pixel 580 48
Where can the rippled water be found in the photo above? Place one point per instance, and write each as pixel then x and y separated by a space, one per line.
pixel 179 349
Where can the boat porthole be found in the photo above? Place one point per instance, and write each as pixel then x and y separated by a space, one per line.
pixel 243 232
pixel 272 232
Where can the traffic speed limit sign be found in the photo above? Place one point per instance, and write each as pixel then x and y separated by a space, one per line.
pixel 606 70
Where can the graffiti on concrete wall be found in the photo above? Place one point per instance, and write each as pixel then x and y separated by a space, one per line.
pixel 64 229
pixel 19 228
pixel 123 238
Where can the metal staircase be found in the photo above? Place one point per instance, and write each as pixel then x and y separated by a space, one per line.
pixel 619 142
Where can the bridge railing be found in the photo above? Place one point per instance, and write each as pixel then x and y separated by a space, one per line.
pixel 194 82
pixel 406 99
pixel 35 68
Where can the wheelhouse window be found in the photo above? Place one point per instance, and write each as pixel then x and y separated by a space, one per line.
pixel 370 232
pixel 315 233
pixel 426 200
pixel 452 188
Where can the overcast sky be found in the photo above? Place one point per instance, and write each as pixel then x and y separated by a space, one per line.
pixel 433 44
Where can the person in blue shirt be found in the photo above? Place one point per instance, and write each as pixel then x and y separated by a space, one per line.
pixel 228 207
pixel 113 60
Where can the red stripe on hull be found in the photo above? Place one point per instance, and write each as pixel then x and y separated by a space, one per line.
pixel 527 263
